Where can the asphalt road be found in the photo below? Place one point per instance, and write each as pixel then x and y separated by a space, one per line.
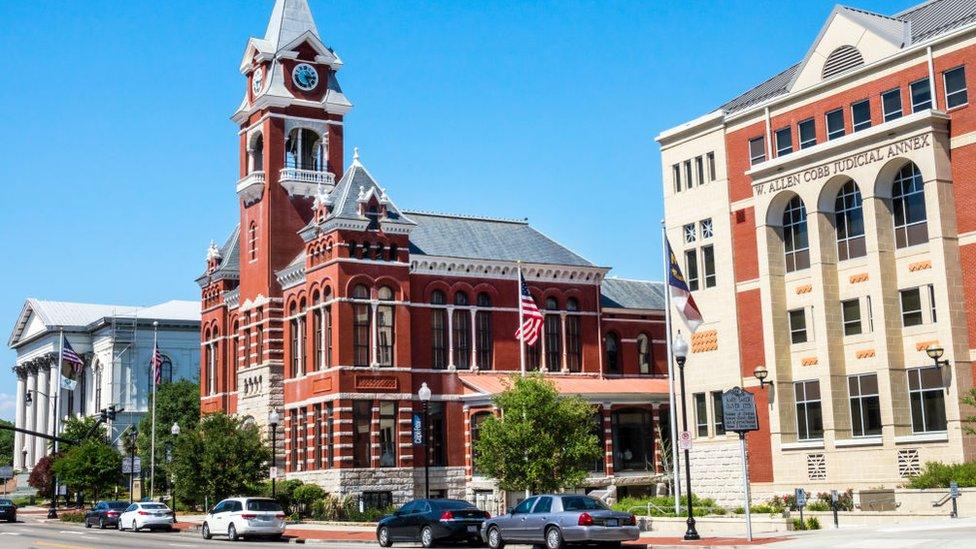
pixel 940 534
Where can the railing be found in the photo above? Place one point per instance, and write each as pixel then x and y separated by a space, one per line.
pixel 253 178
pixel 306 176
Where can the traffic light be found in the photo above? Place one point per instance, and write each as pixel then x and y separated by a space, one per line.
pixel 111 412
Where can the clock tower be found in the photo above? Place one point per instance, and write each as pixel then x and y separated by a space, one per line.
pixel 291 147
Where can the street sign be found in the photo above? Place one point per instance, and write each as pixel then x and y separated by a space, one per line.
pixel 801 497
pixel 273 473
pixel 684 440
pixel 739 408
pixel 127 466
pixel 6 472
pixel 953 489
pixel 418 428
pixel 62 490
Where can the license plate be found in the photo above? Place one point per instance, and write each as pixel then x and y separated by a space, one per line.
pixel 473 529
pixel 611 522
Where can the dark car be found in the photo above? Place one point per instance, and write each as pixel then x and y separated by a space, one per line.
pixel 431 520
pixel 8 511
pixel 105 514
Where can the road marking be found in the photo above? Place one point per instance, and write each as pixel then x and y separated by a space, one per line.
pixel 182 545
pixel 9 533
pixel 61 545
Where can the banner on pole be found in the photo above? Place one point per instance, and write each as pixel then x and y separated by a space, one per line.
pixel 418 428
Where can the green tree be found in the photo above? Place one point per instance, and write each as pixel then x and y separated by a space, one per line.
pixel 543 441
pixel 76 428
pixel 6 444
pixel 969 422
pixel 179 403
pixel 223 456
pixel 90 467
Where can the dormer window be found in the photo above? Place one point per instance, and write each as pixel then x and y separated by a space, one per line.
pixel 373 215
pixel 304 150
pixel 841 60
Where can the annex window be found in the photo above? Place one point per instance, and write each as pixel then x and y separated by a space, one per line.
pixel 388 434
pixel 718 412
pixel 689 232
pixel 384 327
pixel 708 265
pixel 795 239
pixel 438 331
pixel 925 391
pixel 955 87
pixel 462 332
pixel 849 220
pixel 676 176
pixel 360 325
pixel 644 354
pixel 482 326
pixel 574 353
pixel 934 313
pixel 784 141
pixel 807 131
pixel 911 307
pixel 851 316
pixel 809 415
pixel 691 268
pixel 707 230
pixel 711 166
pixel 757 150
pixel 553 334
pixel 700 169
pixel 632 440
pixel 861 115
pixel 835 124
pixel 865 405
pixel 908 205
pixel 611 347
pixel 798 326
pixel 921 95
pixel 701 415
pixel 891 104
pixel 689 180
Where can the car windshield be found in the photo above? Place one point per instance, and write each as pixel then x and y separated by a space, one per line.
pixel 583 503
pixel 153 506
pixel 117 505
pixel 449 504
pixel 263 505
pixel 6 502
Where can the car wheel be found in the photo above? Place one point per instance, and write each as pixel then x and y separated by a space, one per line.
pixel 475 543
pixel 232 533
pixel 383 537
pixel 427 537
pixel 101 524
pixel 87 523
pixel 205 531
pixel 495 540
pixel 554 538
pixel 610 545
pixel 135 526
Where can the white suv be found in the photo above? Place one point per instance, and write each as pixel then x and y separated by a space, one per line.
pixel 239 517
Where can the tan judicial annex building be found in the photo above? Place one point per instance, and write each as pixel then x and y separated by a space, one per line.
pixel 826 223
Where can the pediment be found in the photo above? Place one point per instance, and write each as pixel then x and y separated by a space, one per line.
pixel 850 38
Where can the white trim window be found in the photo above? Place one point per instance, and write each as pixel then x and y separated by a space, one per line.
pixel 835 124
pixel 798 326
pixel 955 87
pixel 908 205
pixel 707 230
pixel 807 132
pixel 796 244
pixel 921 93
pixel 891 104
pixel 851 316
pixel 757 150
pixel 690 234
pixel 784 141
pixel 927 396
pixel 849 221
pixel 865 405
pixel 911 307
pixel 861 115
pixel 701 415
pixel 809 413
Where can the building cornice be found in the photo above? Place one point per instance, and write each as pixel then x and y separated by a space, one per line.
pixel 506 270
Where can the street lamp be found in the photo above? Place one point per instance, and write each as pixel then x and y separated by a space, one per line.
pixel 680 350
pixel 175 431
pixel 133 436
pixel 273 420
pixel 935 353
pixel 24 454
pixel 52 512
pixel 424 394
pixel 761 373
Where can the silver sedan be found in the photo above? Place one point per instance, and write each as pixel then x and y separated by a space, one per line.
pixel 560 519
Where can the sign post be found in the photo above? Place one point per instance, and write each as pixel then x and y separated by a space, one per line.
pixel 954 493
pixel 739 409
pixel 801 500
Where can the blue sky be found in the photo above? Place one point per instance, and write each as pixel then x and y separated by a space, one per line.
pixel 119 159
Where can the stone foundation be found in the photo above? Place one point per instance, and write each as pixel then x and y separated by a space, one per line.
pixel 403 483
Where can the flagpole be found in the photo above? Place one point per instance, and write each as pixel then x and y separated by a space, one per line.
pixel 53 512
pixel 152 455
pixel 521 319
pixel 672 416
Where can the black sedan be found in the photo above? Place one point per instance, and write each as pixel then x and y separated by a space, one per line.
pixel 105 514
pixel 432 520
pixel 8 511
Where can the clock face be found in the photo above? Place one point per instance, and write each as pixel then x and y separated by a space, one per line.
pixel 305 76
pixel 257 80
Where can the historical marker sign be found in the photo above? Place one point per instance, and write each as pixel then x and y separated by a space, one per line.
pixel 739 407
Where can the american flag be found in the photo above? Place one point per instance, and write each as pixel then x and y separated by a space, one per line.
pixel 531 317
pixel 70 356
pixel 157 364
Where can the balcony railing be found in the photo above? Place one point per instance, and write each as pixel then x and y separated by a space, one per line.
pixel 251 186
pixel 302 182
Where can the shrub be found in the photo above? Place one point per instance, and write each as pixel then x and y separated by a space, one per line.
pixel 72 516
pixel 845 500
pixel 663 506
pixel 305 495
pixel 813 523
pixel 818 505
pixel 799 524
pixel 938 475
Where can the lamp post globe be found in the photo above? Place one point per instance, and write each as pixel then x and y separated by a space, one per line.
pixel 424 395
pixel 273 420
pixel 679 347
pixel 175 429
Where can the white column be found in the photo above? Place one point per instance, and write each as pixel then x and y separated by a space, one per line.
pixel 31 418
pixel 42 406
pixel 19 417
pixel 474 340
pixel 562 320
pixel 450 338
pixel 543 366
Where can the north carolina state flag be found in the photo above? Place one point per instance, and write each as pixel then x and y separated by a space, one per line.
pixel 684 302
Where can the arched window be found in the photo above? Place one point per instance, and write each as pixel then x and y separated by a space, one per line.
pixel 482 326
pixel 165 375
pixel 554 336
pixel 908 207
pixel 462 332
pixel 644 354
pixel 246 339
pixel 476 421
pixel 235 342
pixel 257 154
pixel 360 326
pixel 611 348
pixel 304 150
pixel 795 239
pixel 322 318
pixel 394 252
pixel 252 241
pixel 849 220
pixel 259 336
pixel 373 215
pixel 438 330
pixel 296 340
pixel 632 438
pixel 384 327
pixel 574 353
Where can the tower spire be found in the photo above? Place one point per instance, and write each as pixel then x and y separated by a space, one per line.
pixel 289 20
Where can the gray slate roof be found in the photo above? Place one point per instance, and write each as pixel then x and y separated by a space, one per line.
pixel 346 194
pixel 289 20
pixel 625 293
pixel 230 256
pixel 482 238
pixel 928 20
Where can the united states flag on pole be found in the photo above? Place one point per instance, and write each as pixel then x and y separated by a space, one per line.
pixel 70 356
pixel 684 302
pixel 157 365
pixel 531 317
